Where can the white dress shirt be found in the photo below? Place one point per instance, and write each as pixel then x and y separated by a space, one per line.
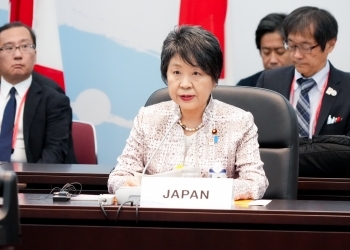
pixel 315 94
pixel 19 154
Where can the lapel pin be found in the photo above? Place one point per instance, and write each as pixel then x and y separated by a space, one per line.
pixel 331 91
pixel 214 139
pixel 332 120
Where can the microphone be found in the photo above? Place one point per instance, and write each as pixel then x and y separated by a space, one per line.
pixel 132 194
pixel 160 144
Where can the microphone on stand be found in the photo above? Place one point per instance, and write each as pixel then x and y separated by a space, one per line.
pixel 124 194
pixel 160 144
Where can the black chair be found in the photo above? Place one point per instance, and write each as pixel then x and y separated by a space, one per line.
pixel 277 133
pixel 9 212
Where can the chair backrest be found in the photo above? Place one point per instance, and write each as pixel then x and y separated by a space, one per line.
pixel 9 212
pixel 277 133
pixel 84 142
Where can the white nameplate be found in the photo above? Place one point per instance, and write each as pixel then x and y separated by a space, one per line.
pixel 175 192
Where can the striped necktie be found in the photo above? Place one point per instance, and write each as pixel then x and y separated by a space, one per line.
pixel 7 127
pixel 303 105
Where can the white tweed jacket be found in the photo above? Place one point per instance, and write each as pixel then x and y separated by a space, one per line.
pixel 237 149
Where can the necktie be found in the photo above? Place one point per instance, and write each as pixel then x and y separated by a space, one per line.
pixel 7 127
pixel 303 105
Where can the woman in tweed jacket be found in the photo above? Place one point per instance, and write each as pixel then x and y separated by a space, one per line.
pixel 191 64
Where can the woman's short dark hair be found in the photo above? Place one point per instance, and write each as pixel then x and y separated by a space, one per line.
pixel 196 46
pixel 311 20
pixel 19 24
pixel 269 24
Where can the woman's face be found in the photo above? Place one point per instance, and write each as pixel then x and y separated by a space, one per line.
pixel 189 86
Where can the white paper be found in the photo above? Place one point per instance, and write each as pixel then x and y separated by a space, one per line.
pixel 85 197
pixel 259 203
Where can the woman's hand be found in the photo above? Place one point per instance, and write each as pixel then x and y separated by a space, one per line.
pixel 132 181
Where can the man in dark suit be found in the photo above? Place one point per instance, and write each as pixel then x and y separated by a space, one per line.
pixel 322 107
pixel 41 126
pixel 43 80
pixel 269 41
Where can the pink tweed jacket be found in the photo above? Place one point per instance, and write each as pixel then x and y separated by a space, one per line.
pixel 237 149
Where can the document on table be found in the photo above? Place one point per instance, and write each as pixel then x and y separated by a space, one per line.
pixel 85 197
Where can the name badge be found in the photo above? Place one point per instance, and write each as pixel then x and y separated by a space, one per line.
pixel 175 192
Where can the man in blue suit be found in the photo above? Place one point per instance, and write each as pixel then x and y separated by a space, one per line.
pixel 324 107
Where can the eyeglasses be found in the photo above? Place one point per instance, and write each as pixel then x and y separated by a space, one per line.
pixel 24 48
pixel 304 48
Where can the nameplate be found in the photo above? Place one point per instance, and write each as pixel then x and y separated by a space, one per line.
pixel 175 192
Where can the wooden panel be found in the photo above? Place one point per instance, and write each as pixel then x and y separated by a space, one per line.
pixel 92 237
pixel 282 224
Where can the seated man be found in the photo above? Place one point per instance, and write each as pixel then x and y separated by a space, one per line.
pixel 311 34
pixel 318 91
pixel 269 41
pixel 34 117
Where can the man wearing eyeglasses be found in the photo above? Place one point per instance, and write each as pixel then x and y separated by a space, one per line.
pixel 319 92
pixel 33 115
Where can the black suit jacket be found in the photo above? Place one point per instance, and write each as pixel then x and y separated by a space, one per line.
pixel 250 81
pixel 45 125
pixel 45 81
pixel 41 79
pixel 280 80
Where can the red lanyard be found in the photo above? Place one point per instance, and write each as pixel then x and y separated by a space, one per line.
pixel 16 125
pixel 319 104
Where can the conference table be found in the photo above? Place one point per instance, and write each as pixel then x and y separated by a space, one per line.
pixel 43 177
pixel 282 224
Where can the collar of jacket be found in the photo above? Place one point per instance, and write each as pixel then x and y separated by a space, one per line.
pixel 207 114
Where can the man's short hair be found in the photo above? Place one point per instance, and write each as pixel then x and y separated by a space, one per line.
pixel 19 24
pixel 269 24
pixel 194 45
pixel 311 20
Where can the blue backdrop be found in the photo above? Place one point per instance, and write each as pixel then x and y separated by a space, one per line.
pixel 126 77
